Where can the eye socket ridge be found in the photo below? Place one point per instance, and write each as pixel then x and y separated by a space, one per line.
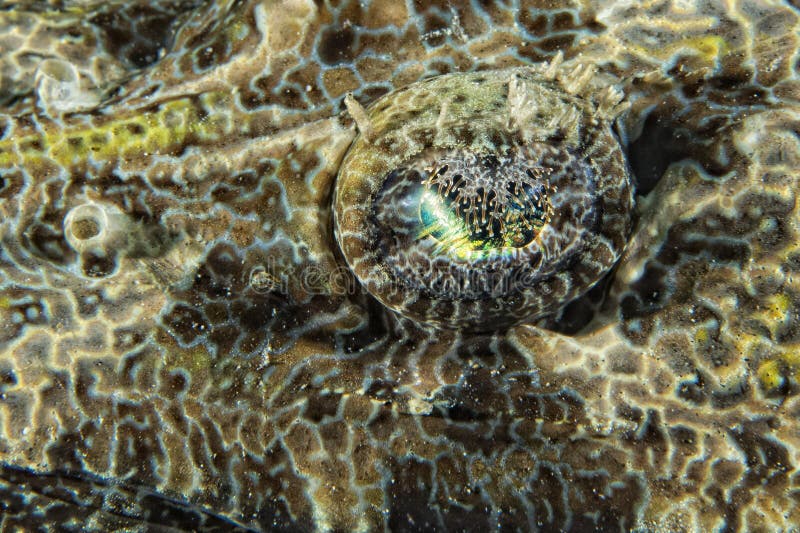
pixel 457 216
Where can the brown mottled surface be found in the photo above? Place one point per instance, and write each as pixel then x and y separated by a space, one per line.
pixel 208 359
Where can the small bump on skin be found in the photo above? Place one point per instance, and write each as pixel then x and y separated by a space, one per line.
pixel 361 118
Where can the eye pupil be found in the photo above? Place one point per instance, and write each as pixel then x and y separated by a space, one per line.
pixel 501 203
pixel 491 161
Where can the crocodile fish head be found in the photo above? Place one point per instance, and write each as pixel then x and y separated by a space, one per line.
pixel 397 265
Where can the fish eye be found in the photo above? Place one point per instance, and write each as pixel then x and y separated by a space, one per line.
pixel 479 201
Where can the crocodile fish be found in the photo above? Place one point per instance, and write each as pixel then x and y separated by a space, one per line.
pixel 398 265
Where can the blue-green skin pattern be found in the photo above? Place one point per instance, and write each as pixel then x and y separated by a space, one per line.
pixel 214 364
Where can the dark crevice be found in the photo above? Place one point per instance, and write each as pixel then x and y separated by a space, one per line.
pixel 659 145
pixel 76 494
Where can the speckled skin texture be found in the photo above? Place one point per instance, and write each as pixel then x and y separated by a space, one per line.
pixel 207 360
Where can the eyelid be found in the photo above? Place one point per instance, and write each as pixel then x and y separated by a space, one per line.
pixel 493 218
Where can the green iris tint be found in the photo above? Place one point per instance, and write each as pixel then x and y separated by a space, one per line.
pixel 462 229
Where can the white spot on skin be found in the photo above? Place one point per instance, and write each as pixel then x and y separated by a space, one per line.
pixel 61 89
pixel 97 226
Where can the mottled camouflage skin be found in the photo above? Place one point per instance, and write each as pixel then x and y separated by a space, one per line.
pixel 208 370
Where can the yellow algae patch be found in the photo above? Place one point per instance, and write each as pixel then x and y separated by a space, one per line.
pixel 769 375
pixel 772 372
pixel 219 120
pixel 701 336
pixel 775 313
pixel 194 359
pixel 710 47
pixel 159 130
pixel 237 31
pixel 792 357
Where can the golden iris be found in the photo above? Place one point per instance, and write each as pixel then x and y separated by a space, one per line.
pixel 469 222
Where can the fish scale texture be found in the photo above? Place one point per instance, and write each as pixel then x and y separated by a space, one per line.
pixel 191 351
